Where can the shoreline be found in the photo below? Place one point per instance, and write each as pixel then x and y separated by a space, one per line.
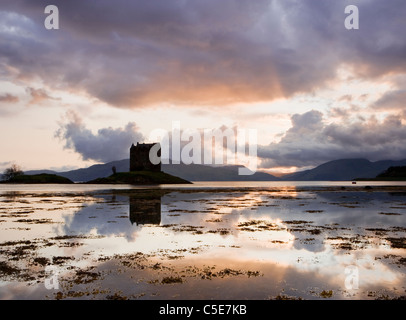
pixel 201 187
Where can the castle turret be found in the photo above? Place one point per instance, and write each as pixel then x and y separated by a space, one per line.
pixel 140 157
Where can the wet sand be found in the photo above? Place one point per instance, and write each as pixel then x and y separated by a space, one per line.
pixel 204 243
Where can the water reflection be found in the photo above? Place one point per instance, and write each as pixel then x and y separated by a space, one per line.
pixel 306 220
pixel 296 232
pixel 145 209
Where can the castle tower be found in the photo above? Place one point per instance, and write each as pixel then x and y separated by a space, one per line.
pixel 139 157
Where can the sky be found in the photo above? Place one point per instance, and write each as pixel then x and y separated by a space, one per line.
pixel 115 71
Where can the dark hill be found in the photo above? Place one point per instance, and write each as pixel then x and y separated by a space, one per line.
pixel 397 173
pixel 394 172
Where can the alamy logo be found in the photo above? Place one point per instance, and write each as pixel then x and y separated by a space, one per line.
pixel 52 20
pixel 352 278
pixel 51 282
pixel 207 146
pixel 352 20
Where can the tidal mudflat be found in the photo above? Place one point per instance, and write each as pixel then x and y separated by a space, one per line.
pixel 203 243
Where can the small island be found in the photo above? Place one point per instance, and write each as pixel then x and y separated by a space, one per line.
pixel 140 178
pixel 142 170
pixel 42 178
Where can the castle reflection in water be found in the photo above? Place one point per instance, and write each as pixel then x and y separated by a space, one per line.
pixel 145 210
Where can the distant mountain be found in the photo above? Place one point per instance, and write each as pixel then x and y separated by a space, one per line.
pixel 199 172
pixel 337 170
pixel 90 173
pixel 192 172
pixel 343 170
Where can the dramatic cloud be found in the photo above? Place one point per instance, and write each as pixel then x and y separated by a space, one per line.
pixel 38 95
pixel 205 53
pixel 137 53
pixel 311 141
pixel 107 145
pixel 8 98
pixel 7 104
pixel 394 99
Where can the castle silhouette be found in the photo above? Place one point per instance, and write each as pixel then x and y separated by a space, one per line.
pixel 140 159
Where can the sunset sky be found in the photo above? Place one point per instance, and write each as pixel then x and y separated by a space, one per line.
pixel 116 70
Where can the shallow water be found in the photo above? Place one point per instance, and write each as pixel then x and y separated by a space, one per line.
pixel 210 240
